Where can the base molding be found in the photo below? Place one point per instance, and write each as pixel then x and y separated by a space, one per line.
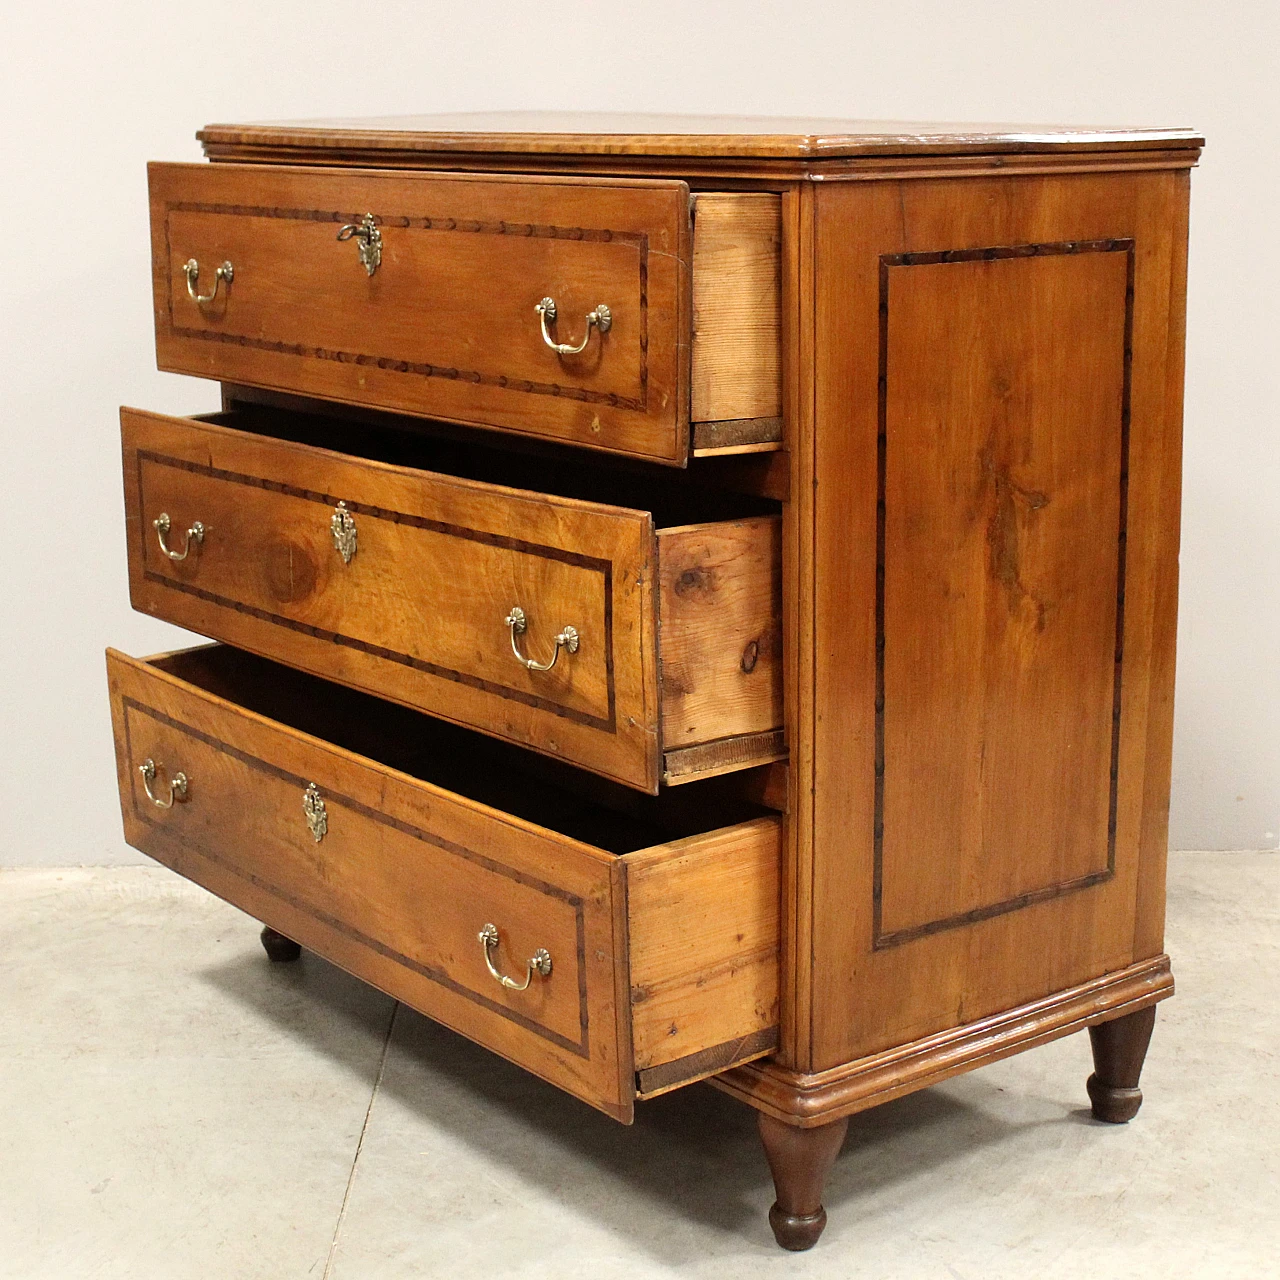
pixel 807 1100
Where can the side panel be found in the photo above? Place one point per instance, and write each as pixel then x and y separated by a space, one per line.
pixel 996 454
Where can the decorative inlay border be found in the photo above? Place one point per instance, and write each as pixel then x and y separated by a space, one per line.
pixel 889 261
pixel 604 567
pixel 581 1047
pixel 421 368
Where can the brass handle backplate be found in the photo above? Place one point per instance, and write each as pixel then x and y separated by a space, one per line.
pixel 342 524
pixel 601 318
pixel 177 785
pixel 195 536
pixel 539 962
pixel 316 814
pixel 191 269
pixel 567 639
pixel 368 241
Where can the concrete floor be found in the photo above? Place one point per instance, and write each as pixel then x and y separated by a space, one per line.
pixel 173 1107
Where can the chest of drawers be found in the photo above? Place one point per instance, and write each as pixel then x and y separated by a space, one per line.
pixel 695 599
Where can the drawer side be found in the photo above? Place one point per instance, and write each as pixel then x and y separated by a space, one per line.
pixel 704 928
pixel 720 599
pixel 737 292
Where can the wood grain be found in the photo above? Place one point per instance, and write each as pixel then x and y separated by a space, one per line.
pixel 408 872
pixel 720 606
pixel 1003 479
pixel 722 756
pixel 736 299
pixel 703 971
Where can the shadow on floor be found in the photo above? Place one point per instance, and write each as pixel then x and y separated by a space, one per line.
pixel 692 1155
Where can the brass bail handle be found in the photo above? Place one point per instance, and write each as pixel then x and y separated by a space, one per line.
pixel 195 536
pixel 601 318
pixel 177 785
pixel 191 269
pixel 539 962
pixel 518 624
pixel 368 241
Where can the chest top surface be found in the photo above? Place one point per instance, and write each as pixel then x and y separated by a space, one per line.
pixel 547 133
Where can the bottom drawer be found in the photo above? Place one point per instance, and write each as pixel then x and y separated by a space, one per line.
pixel 389 842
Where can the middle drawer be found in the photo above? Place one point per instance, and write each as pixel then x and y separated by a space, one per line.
pixel 578 628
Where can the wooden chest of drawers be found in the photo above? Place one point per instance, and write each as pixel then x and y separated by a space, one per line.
pixel 696 598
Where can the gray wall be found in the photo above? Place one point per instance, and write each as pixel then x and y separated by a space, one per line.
pixel 90 92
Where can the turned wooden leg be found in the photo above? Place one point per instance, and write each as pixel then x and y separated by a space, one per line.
pixel 799 1160
pixel 278 947
pixel 1119 1048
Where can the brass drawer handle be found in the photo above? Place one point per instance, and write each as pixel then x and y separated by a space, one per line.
pixel 539 962
pixel 177 785
pixel 601 318
pixel 567 639
pixel 368 241
pixel 195 536
pixel 192 270
pixel 342 524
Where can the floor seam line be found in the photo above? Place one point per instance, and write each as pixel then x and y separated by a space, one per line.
pixel 364 1128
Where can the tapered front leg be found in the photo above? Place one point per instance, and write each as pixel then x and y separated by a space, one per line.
pixel 279 948
pixel 1119 1049
pixel 799 1160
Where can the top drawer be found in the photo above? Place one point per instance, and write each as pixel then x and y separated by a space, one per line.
pixel 420 293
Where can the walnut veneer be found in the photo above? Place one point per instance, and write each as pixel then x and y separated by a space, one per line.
pixel 861 497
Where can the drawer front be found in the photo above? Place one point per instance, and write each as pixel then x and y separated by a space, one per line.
pixel 398 887
pixel 444 324
pixel 418 612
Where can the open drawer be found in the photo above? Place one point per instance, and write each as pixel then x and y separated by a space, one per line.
pixel 593 311
pixel 429 861
pixel 629 625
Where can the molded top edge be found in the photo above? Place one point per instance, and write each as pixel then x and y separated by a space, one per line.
pixel 622 134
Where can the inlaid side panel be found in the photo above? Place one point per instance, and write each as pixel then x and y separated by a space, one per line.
pixel 1002 475
pixel 995 449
